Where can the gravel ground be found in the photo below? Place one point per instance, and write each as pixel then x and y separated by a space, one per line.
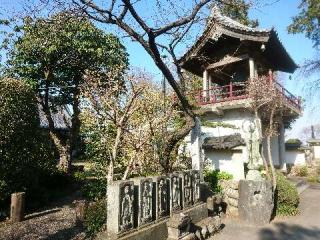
pixel 58 222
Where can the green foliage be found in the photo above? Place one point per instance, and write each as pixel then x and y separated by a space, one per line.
pixel 26 158
pixel 65 46
pixel 313 179
pixel 214 176
pixel 294 141
pixel 287 197
pixel 302 171
pixel 92 188
pixel 218 124
pixel 238 10
pixel 307 21
pixel 95 217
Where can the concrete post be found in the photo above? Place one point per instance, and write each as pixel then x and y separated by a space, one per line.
pixel 195 149
pixel 282 148
pixel 17 207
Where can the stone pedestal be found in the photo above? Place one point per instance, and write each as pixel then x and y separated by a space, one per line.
pixel 120 208
pixel 179 226
pixel 255 201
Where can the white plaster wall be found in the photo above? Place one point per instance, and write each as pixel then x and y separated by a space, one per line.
pixel 274 150
pixel 239 118
pixel 316 150
pixel 227 161
pixel 295 157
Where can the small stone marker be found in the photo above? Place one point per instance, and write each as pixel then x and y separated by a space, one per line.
pixel 80 208
pixel 120 208
pixel 144 201
pixel 175 193
pixel 17 207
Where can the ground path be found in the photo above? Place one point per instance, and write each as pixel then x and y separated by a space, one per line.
pixel 56 223
pixel 305 226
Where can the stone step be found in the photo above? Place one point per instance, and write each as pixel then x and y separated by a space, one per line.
pixel 300 183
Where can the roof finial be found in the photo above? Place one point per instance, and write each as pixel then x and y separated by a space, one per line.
pixel 215 10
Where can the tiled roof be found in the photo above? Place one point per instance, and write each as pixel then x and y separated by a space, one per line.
pixel 228 22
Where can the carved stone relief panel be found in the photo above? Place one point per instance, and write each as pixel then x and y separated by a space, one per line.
pixel 126 210
pixel 176 192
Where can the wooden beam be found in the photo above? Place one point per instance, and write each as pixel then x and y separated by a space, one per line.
pixel 227 60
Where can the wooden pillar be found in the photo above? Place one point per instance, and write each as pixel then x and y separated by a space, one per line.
pixel 17 207
pixel 205 85
pixel 251 68
pixel 270 76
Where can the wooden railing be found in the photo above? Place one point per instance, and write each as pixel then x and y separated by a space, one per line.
pixel 235 91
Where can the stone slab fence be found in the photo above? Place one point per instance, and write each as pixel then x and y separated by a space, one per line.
pixel 139 208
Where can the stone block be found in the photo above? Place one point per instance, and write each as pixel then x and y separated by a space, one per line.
pixel 255 201
pixel 161 189
pixel 233 202
pixel 179 226
pixel 232 193
pixel 120 212
pixel 144 203
pixel 175 193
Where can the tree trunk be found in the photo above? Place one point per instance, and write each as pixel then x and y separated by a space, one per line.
pixel 172 141
pixel 273 172
pixel 114 155
pixel 75 123
pixel 63 149
pixel 258 123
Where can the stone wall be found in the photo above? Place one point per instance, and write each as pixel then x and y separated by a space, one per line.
pixel 231 196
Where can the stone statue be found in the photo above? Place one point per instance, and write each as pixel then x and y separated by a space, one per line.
pixel 187 189
pixel 126 220
pixel 146 204
pixel 176 202
pixel 162 198
pixel 254 140
pixel 196 188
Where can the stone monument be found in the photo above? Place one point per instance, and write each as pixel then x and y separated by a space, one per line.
pixel 255 201
pixel 187 189
pixel 175 193
pixel 162 198
pixel 196 185
pixel 144 204
pixel 120 200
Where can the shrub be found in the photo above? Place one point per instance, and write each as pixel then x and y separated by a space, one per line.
pixel 214 176
pixel 25 156
pixel 287 197
pixel 95 217
pixel 92 188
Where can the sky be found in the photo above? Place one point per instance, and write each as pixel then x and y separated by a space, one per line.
pixel 277 14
